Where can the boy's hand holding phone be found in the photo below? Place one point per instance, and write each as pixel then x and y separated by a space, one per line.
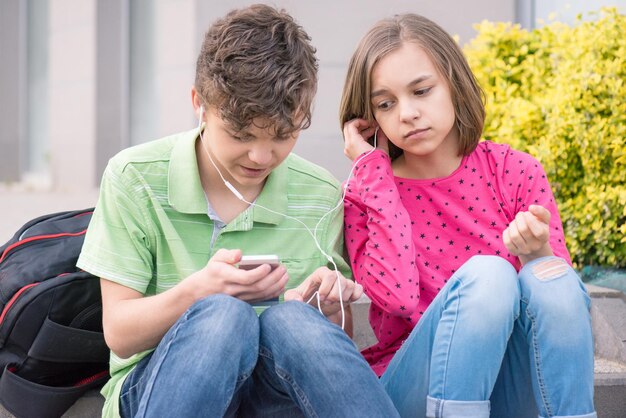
pixel 259 280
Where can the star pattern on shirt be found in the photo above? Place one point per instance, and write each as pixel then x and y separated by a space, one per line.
pixel 449 220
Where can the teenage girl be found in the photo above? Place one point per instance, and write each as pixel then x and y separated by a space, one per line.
pixel 458 243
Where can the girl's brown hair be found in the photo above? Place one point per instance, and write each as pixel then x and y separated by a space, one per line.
pixel 389 35
pixel 257 63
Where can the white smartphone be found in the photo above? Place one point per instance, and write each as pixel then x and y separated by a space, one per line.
pixel 248 262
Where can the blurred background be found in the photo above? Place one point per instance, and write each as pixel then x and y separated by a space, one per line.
pixel 82 79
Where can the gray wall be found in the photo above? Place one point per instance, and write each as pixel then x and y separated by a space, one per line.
pixel 335 28
pixel 119 72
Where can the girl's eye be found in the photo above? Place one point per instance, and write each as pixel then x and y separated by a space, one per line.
pixel 383 105
pixel 422 92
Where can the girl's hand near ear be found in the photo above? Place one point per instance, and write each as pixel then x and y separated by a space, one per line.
pixel 528 236
pixel 356 132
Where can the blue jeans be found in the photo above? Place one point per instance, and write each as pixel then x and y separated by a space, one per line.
pixel 497 342
pixel 220 359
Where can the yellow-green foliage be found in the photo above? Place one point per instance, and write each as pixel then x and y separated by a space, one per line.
pixel 559 93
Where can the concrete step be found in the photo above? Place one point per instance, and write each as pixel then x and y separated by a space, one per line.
pixel 608 315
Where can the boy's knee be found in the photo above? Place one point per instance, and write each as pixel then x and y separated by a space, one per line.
pixel 288 315
pixel 295 323
pixel 223 312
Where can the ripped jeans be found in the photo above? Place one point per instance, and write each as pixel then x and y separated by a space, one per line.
pixel 497 343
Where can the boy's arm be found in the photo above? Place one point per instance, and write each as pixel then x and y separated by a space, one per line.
pixel 133 322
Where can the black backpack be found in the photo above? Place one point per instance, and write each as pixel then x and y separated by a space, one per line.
pixel 52 349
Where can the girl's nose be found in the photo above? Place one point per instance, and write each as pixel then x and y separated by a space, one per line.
pixel 409 111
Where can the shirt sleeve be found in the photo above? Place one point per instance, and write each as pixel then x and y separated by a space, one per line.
pixel 117 245
pixel 378 236
pixel 335 240
pixel 531 187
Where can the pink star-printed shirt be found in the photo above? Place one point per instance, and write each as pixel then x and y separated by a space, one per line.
pixel 407 237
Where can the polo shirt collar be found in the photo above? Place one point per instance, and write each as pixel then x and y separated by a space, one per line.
pixel 186 195
pixel 184 190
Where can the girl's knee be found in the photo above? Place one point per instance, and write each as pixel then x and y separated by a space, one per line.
pixel 552 289
pixel 545 270
pixel 491 278
pixel 491 266
pixel 488 289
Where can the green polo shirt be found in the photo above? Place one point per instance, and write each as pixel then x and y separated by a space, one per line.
pixel 151 227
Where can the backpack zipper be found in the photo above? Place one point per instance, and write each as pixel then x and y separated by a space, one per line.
pixel 12 301
pixel 13 246
pixel 91 379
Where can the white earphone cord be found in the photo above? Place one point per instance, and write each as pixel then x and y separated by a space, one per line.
pixel 312 233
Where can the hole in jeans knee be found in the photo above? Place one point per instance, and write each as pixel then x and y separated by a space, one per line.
pixel 550 269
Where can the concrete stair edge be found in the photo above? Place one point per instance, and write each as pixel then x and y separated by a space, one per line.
pixel 610 385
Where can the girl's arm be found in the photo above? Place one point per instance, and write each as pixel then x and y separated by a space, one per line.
pixel 378 236
pixel 536 231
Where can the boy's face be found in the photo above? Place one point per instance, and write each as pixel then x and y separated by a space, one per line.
pixel 245 158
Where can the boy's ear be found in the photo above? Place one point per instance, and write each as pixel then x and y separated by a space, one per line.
pixel 196 102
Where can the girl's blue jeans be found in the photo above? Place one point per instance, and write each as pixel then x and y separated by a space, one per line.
pixel 501 344
pixel 220 359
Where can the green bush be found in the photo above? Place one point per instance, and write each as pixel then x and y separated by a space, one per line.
pixel 559 93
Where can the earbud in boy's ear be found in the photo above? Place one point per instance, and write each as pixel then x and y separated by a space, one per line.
pixel 200 116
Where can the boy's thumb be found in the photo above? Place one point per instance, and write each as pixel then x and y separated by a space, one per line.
pixel 227 256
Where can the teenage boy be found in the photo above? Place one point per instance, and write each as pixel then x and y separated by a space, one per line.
pixel 176 215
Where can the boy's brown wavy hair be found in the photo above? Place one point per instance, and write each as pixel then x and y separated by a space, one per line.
pixel 257 64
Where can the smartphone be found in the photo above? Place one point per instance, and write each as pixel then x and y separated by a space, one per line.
pixel 249 262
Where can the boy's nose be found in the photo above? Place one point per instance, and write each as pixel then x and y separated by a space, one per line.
pixel 260 155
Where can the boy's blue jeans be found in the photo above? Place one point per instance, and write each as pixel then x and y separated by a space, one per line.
pixel 220 359
pixel 497 342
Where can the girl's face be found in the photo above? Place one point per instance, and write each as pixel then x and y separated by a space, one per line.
pixel 412 103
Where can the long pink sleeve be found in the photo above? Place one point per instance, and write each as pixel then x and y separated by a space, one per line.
pixel 381 251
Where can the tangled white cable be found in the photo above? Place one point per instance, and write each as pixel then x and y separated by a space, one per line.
pixel 312 233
